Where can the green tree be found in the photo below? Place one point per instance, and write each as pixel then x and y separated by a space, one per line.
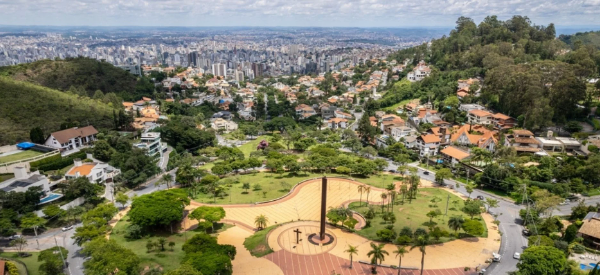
pixel 261 222
pixel 472 208
pixel 162 241
pixel 161 208
pixel 542 260
pixel 52 211
pixel 365 130
pixel 421 243
pixel 352 250
pixel 19 243
pixel 209 214
pixel 377 254
pixel 184 269
pixel 473 227
pixel 122 199
pixel 102 150
pixel 400 251
pixel 36 135
pixel 32 221
pixel 455 223
pixel 106 256
pixel 51 260
pixel 442 174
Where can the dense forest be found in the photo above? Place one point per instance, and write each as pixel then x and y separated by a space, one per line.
pixel 25 106
pixel 582 38
pixel 529 74
pixel 83 76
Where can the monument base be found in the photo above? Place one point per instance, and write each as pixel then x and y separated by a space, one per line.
pixel 316 240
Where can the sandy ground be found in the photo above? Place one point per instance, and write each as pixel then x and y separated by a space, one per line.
pixel 459 253
pixel 244 263
pixel 116 219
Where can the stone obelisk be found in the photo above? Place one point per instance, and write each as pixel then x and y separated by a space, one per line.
pixel 323 207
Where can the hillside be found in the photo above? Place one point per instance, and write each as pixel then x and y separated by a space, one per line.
pixel 83 75
pixel 529 74
pixel 26 105
pixel 586 38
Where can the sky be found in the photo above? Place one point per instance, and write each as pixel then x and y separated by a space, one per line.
pixel 322 13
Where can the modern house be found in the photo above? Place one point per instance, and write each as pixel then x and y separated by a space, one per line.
pixel 222 124
pixel 523 141
pixel 72 138
pixel 303 111
pixel 401 132
pixel 590 230
pixel 150 142
pixel 419 72
pixel 337 123
pixel 480 117
pixel 97 172
pixel 23 181
pixel 475 135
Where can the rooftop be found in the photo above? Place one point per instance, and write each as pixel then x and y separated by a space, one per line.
pixel 83 170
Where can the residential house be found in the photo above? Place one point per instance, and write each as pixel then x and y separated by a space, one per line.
pixel 150 141
pixel 97 172
pixel 410 142
pixel 303 111
pixel 382 141
pixel 503 122
pixel 327 111
pixel 443 132
pixel 341 114
pixel 469 107
pixel 24 180
pixel 398 132
pixel 590 230
pixel 337 123
pixel 475 135
pixel 222 114
pixel 480 117
pixel 419 72
pixel 428 145
pixel 453 155
pixel 221 124
pixel 523 141
pixel 72 138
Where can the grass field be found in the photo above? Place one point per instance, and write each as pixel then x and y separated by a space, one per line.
pixel 33 266
pixel 272 184
pixel 167 259
pixel 258 244
pixel 19 156
pixel 413 214
pixel 398 105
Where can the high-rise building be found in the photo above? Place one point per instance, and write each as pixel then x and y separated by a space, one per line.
pixel 219 69
pixel 257 69
pixel 193 59
pixel 239 76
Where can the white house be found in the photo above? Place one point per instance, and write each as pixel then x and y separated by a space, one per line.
pixel 428 145
pixel 399 132
pixel 23 181
pixel 222 124
pixel 72 138
pixel 337 123
pixel 480 117
pixel 150 142
pixel 419 72
pixel 453 155
pixel 95 171
pixel 303 111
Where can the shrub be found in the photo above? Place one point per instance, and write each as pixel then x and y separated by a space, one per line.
pixel 386 235
pixel 579 249
pixel 133 232
pixel 12 268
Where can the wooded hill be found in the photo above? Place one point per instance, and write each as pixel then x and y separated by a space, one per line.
pixel 24 106
pixel 529 74
pixel 83 76
pixel 582 38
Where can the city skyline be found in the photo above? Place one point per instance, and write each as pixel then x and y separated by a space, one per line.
pixel 329 13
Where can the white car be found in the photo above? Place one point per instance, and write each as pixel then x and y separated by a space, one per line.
pixel 67 228
pixel 517 255
pixel 14 237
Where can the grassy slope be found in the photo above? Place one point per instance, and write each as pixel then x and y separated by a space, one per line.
pixel 89 74
pixel 25 105
pixel 413 215
pixel 258 244
pixel 18 156
pixel 271 183
pixel 31 262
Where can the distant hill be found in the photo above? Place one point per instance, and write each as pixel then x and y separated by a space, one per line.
pixel 25 105
pixel 586 38
pixel 83 74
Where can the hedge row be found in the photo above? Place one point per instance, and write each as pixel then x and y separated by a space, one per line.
pixel 57 163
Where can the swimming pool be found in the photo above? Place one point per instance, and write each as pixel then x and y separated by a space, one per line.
pixel 50 197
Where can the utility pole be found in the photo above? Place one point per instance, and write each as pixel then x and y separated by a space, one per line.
pixel 447 202
pixel 61 256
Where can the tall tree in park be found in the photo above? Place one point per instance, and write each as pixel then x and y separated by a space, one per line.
pixel 122 198
pixel 365 130
pixel 352 250
pixel 52 263
pixel 106 256
pixel 377 254
pixel 36 135
pixel 455 223
pixel 209 214
pixel 32 221
pixel 159 209
pixel 400 251
pixel 421 243
pixel 472 208
pixel 207 256
pixel 442 174
pixel 261 221
pixel 542 260
pixel 102 150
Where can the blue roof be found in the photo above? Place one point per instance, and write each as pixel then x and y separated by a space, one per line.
pixel 25 145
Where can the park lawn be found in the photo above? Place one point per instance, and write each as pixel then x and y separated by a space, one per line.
pixel 271 183
pixel 251 145
pixel 19 156
pixel 167 259
pixel 258 244
pixel 31 262
pixel 397 105
pixel 413 214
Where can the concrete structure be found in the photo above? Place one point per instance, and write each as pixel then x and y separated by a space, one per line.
pixel 97 172
pixel 72 138
pixel 150 142
pixel 224 125
pixel 24 180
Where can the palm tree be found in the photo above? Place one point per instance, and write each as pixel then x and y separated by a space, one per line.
pixel 351 250
pixel 383 197
pixel 400 253
pixel 421 242
pixel 455 223
pixel 19 243
pixel 368 190
pixel 361 189
pixel 261 221
pixel 377 254
pixel 403 191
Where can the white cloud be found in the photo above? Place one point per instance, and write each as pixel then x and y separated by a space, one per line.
pixel 392 13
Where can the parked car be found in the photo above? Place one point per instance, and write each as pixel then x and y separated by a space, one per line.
pixel 526 232
pixel 517 255
pixel 67 228
pixel 480 197
pixel 496 257
pixel 425 172
pixel 14 237
pixel 392 171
